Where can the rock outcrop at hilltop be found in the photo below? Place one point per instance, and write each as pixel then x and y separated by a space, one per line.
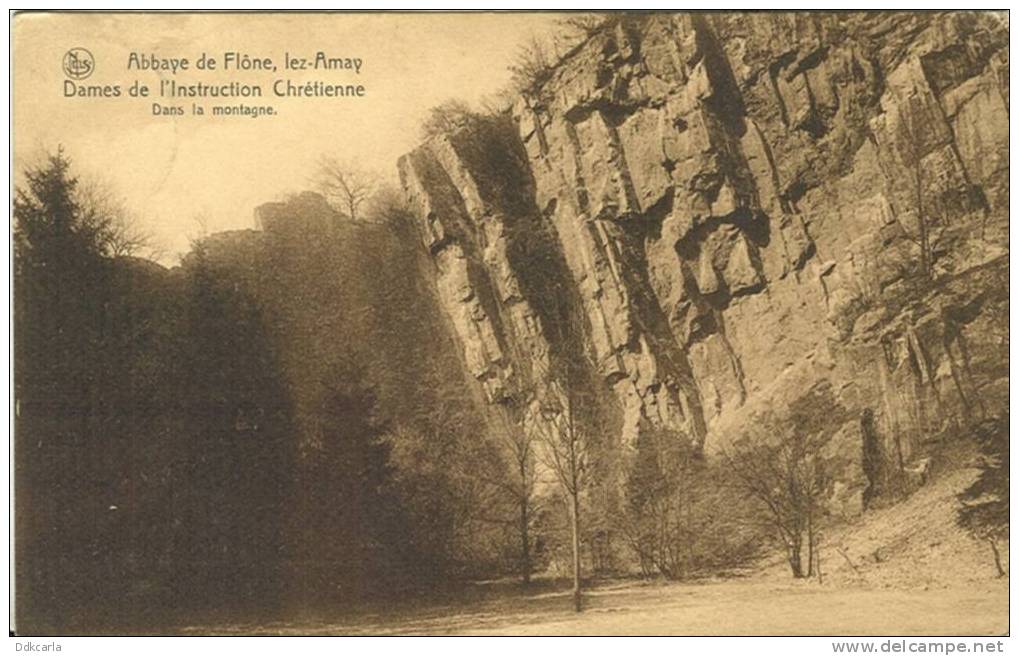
pixel 748 208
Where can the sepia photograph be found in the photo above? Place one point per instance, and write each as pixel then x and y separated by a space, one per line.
pixel 510 323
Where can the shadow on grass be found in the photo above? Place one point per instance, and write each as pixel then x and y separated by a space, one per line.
pixel 471 607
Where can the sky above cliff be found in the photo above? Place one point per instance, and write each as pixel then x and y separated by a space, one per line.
pixel 171 169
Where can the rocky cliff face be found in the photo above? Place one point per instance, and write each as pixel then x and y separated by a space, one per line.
pixel 747 208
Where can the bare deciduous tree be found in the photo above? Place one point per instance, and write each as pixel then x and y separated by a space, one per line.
pixel 657 503
pixel 106 215
pixel 538 56
pixel 516 444
pixel 562 430
pixel 345 184
pixel 499 101
pixel 564 454
pixel 929 230
pixel 789 481
pixel 781 464
pixel 533 64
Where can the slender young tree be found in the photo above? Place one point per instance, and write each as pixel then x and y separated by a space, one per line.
pixel 928 231
pixel 562 426
pixel 517 443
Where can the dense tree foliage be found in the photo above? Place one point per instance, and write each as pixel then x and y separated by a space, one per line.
pixel 683 516
pixel 152 432
pixel 263 425
pixel 95 367
pixel 781 464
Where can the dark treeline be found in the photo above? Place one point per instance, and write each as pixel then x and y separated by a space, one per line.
pixel 222 434
pixel 152 427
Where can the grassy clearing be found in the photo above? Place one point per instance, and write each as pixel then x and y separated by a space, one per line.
pixel 906 570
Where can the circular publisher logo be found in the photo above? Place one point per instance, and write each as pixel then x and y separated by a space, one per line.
pixel 78 63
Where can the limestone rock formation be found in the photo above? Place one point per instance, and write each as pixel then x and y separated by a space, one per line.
pixel 746 207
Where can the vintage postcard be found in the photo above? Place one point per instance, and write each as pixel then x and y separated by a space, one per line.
pixel 511 323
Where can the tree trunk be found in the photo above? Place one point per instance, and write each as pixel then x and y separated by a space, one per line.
pixel 810 544
pixel 997 557
pixel 795 547
pixel 820 576
pixel 525 543
pixel 575 526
